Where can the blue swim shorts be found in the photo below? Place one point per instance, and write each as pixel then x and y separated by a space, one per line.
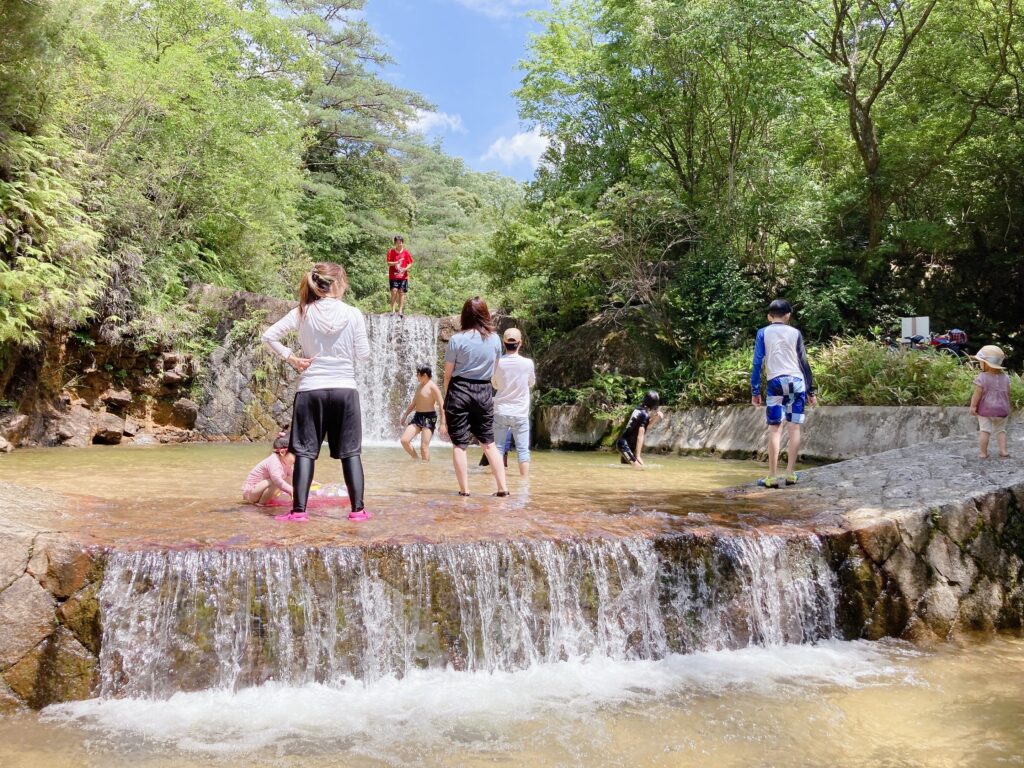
pixel 786 395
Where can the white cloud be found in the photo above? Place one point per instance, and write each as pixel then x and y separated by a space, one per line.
pixel 510 150
pixel 436 122
pixel 500 8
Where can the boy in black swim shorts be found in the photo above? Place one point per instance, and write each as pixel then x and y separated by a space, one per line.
pixel 424 422
pixel 399 261
pixel 631 440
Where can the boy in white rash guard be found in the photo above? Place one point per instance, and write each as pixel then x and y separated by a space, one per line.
pixel 332 335
pixel 513 377
pixel 779 347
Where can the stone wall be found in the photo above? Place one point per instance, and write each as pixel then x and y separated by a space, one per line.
pixel 50 633
pixel 245 391
pixel 928 541
pixel 830 433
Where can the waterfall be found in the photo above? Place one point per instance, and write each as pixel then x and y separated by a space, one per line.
pixel 195 619
pixel 387 380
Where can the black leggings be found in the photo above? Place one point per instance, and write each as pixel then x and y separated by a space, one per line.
pixel 302 478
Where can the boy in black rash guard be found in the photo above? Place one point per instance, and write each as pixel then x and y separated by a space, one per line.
pixel 631 439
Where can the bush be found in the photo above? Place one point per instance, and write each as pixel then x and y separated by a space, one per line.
pixel 861 372
pixel 606 396
pixel 720 380
pixel 847 371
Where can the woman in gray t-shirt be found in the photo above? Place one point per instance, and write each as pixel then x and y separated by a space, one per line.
pixel 468 409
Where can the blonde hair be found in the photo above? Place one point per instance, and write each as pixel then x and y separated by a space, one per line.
pixel 320 281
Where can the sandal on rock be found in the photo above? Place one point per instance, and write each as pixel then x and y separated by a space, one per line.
pixel 293 517
pixel 359 515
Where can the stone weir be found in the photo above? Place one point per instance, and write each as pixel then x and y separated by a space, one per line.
pixel 920 543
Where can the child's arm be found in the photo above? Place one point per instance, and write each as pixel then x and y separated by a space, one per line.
pixel 407 411
pixel 801 353
pixel 755 369
pixel 279 479
pixel 975 399
pixel 438 401
pixel 640 444
pixel 448 368
pixel 496 380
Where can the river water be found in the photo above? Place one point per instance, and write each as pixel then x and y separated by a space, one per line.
pixel 549 630
pixel 837 704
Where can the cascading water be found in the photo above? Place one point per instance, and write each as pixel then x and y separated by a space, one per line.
pixel 189 620
pixel 387 380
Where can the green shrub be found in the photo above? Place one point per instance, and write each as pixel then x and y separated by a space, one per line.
pixel 606 396
pixel 720 380
pixel 847 371
pixel 862 372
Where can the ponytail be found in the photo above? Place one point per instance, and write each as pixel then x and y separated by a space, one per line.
pixel 318 283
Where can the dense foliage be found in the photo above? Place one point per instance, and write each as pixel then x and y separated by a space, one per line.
pixel 864 159
pixel 149 146
pixel 847 371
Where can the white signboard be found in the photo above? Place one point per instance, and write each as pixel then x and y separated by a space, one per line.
pixel 914 326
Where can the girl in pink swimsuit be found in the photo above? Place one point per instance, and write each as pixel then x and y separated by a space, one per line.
pixel 272 476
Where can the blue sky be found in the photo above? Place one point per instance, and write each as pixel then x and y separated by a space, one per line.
pixel 462 55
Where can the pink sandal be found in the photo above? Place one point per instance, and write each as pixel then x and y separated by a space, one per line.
pixel 293 517
pixel 356 517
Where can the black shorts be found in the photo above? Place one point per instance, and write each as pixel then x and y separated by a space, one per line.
pixel 399 285
pixel 425 420
pixel 626 451
pixel 331 414
pixel 469 411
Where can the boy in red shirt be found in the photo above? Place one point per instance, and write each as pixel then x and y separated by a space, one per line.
pixel 399 261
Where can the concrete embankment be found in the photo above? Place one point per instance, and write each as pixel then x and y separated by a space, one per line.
pixel 831 432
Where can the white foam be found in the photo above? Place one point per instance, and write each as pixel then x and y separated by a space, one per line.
pixel 428 705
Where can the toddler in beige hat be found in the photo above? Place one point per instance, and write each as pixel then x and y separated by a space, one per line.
pixel 991 399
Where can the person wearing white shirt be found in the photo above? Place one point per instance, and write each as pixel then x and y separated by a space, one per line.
pixel 332 336
pixel 514 375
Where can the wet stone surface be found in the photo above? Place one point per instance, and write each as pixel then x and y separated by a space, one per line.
pixel 925 542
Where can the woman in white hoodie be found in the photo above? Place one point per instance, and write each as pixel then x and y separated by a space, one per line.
pixel 332 337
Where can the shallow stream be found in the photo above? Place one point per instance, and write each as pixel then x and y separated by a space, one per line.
pixel 837 704
pixel 563 651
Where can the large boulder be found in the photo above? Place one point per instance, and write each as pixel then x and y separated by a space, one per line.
pixel 185 413
pixel 58 669
pixel 74 427
pixel 81 614
pixel 15 547
pixel 60 565
pixel 117 399
pixel 108 429
pixel 628 342
pixel 28 618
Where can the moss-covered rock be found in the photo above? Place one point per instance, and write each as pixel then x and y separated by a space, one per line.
pixel 629 342
pixel 58 669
